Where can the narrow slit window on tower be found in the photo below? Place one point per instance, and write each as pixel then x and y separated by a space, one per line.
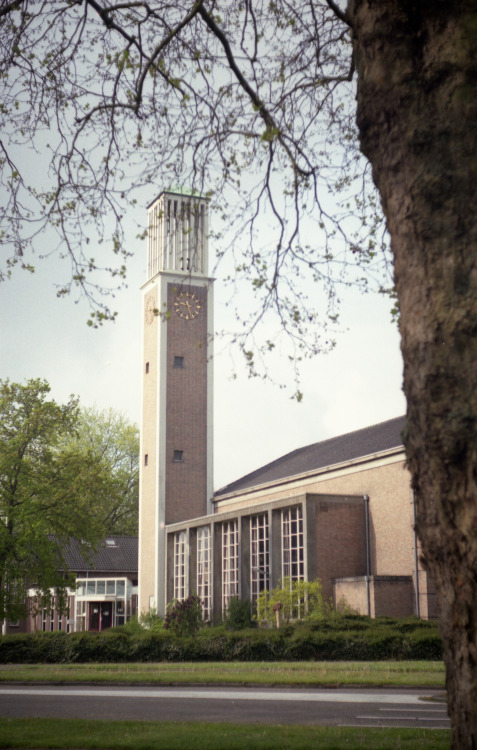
pixel 147 368
pixel 146 459
pixel 178 456
pixel 179 362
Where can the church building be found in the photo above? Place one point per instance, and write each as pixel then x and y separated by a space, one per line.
pixel 341 510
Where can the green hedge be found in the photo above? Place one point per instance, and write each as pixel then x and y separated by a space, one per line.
pixel 349 638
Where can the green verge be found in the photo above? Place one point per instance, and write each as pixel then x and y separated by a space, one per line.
pixel 134 735
pixel 390 673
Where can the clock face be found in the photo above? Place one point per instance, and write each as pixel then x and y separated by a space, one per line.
pixel 150 313
pixel 187 305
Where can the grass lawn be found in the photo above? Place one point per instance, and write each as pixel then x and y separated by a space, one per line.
pixel 398 673
pixel 133 735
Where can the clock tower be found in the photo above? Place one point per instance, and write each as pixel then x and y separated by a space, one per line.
pixel 176 471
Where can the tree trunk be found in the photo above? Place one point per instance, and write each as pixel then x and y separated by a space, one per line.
pixel 417 116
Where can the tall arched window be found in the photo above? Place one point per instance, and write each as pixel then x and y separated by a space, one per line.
pixel 230 562
pixel 293 561
pixel 259 555
pixel 180 566
pixel 203 570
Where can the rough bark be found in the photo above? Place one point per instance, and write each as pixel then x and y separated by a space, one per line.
pixel 417 116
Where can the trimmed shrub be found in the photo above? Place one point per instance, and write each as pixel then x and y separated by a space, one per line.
pixel 350 638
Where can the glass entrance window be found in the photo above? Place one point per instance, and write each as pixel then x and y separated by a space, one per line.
pixel 102 602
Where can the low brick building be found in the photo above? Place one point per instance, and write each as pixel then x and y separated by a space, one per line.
pixel 105 594
pixel 340 510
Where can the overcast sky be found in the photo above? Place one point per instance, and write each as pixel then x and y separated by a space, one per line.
pixel 356 385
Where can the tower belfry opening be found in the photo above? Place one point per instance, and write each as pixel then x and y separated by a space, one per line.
pixel 177 234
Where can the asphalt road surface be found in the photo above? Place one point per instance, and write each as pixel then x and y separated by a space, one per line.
pixel 350 707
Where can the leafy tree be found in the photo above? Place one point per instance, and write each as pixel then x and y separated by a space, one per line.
pixel 254 102
pixel 113 443
pixel 45 497
pixel 292 600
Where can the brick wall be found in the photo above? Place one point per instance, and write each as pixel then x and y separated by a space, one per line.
pixel 186 481
pixel 388 595
pixel 351 593
pixel 339 539
pixel 391 596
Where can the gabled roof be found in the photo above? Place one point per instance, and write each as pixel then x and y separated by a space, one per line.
pixel 353 445
pixel 120 557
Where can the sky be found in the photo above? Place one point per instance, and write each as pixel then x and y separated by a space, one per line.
pixel 358 384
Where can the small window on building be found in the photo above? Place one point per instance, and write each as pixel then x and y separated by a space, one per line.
pixel 179 363
pixel 110 543
pixel 147 368
pixel 146 459
pixel 178 456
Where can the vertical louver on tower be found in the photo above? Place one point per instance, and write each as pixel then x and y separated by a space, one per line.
pixel 177 234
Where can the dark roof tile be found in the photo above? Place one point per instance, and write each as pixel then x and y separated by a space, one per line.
pixel 352 445
pixel 122 557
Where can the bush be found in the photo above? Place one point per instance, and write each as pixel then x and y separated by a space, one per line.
pixel 151 621
pixel 185 617
pixel 239 614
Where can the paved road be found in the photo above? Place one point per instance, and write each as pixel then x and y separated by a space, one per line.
pixel 350 707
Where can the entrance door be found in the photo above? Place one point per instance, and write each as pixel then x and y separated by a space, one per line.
pixel 100 615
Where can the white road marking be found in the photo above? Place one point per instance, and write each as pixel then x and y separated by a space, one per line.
pixel 400 718
pixel 332 696
pixel 418 710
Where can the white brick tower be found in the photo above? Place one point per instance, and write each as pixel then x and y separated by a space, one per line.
pixel 176 470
